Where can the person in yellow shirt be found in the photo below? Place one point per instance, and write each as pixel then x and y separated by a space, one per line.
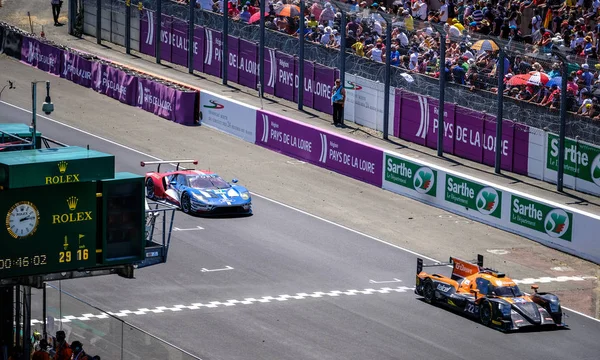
pixel 408 21
pixel 359 47
pixel 458 25
pixel 312 22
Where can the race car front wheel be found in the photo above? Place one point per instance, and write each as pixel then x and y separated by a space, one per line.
pixel 428 291
pixel 485 313
pixel 185 203
pixel 150 189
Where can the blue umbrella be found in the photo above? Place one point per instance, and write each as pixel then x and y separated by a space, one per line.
pixel 557 80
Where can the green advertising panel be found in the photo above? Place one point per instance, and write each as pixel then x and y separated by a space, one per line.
pixel 474 196
pixel 581 160
pixel 21 169
pixel 48 229
pixel 422 179
pixel 557 223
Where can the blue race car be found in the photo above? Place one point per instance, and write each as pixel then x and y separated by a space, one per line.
pixel 197 191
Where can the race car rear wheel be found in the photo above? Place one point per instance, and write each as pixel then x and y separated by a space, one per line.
pixel 485 313
pixel 428 291
pixel 150 189
pixel 185 203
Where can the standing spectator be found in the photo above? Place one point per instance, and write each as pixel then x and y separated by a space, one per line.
pixel 419 10
pixel 443 12
pixel 338 99
pixel 42 352
pixel 56 5
pixel 78 353
pixel 61 347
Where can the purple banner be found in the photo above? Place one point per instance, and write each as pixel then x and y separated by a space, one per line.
pixel 309 74
pixel 248 64
pixel 185 107
pixel 156 98
pixel 199 47
pixel 270 71
pixel 77 69
pixel 233 56
pixel 147 28
pixel 340 154
pixel 284 86
pixel 324 82
pixel 213 52
pixel 45 57
pixel 179 42
pixel 166 30
pixel 468 134
pixel 114 83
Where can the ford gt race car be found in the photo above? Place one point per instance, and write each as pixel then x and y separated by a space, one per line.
pixel 488 296
pixel 197 191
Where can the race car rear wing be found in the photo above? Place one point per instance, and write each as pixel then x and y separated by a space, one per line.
pixel 178 162
pixel 460 268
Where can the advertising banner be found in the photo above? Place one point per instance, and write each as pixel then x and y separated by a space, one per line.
pixel 166 34
pixel 270 71
pixel 213 52
pixel 156 98
pixel 324 83
pixel 308 83
pixel 284 86
pixel 230 116
pixel 77 69
pixel 409 178
pixel 45 57
pixel 467 133
pixel 340 154
pixel 474 196
pixel 114 83
pixel 180 43
pixel 365 98
pixel 555 222
pixel 147 28
pixel 233 59
pixel 248 64
pixel 185 107
pixel 199 34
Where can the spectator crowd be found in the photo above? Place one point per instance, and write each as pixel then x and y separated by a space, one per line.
pixel 570 28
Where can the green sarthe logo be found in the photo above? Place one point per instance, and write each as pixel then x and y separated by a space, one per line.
pixel 556 223
pixel 487 200
pixel 215 105
pixel 424 180
pixel 596 170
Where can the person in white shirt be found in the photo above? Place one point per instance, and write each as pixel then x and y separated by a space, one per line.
pixel 414 60
pixel 376 53
pixel 443 12
pixel 403 39
pixel 419 10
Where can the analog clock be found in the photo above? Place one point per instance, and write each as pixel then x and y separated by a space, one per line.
pixel 22 219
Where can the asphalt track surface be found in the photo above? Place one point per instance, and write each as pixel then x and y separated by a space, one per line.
pixel 281 251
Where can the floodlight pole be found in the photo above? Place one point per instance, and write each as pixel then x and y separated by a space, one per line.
pixel 499 115
pixel 440 137
pixel 261 52
pixel 301 57
pixel 388 75
pixel 563 126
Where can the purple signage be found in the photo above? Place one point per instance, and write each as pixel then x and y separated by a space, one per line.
pixel 467 133
pixel 334 152
pixel 309 73
pixel 233 45
pixel 114 83
pixel 199 47
pixel 248 64
pixel 213 52
pixel 180 43
pixel 77 69
pixel 270 71
pixel 45 57
pixel 284 86
pixel 147 28
pixel 324 82
pixel 156 98
pixel 166 29
pixel 185 107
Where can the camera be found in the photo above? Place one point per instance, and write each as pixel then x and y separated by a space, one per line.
pixel 48 108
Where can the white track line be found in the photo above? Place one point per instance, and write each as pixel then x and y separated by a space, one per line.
pixel 261 196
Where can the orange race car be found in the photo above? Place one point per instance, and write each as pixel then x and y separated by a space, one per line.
pixel 488 296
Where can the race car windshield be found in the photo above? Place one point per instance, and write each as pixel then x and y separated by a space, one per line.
pixel 508 291
pixel 208 182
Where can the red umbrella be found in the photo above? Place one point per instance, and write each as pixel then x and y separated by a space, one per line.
pixel 256 17
pixel 533 78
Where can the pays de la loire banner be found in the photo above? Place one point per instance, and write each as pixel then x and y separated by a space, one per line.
pixel 319 147
pixel 230 116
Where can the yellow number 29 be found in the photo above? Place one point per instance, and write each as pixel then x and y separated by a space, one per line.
pixel 65 256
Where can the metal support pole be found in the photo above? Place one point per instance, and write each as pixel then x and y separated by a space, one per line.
pixel 563 127
pixel 499 114
pixel 128 26
pixel 44 314
pixel 98 21
pixel 440 138
pixel 72 15
pixel 225 40
pixel 343 55
pixel 33 114
pixel 18 314
pixel 388 75
pixel 26 321
pixel 157 30
pixel 191 28
pixel 261 51
pixel 301 57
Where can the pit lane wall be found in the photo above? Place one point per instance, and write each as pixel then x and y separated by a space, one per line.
pixel 557 226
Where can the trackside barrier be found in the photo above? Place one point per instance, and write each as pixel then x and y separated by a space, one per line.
pixel 554 225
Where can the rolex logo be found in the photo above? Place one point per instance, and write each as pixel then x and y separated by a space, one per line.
pixel 62 166
pixel 72 202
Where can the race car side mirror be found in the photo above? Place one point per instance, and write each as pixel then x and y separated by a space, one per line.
pixel 535 287
pixel 234 181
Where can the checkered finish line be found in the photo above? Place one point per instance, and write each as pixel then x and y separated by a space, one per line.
pixel 227 303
